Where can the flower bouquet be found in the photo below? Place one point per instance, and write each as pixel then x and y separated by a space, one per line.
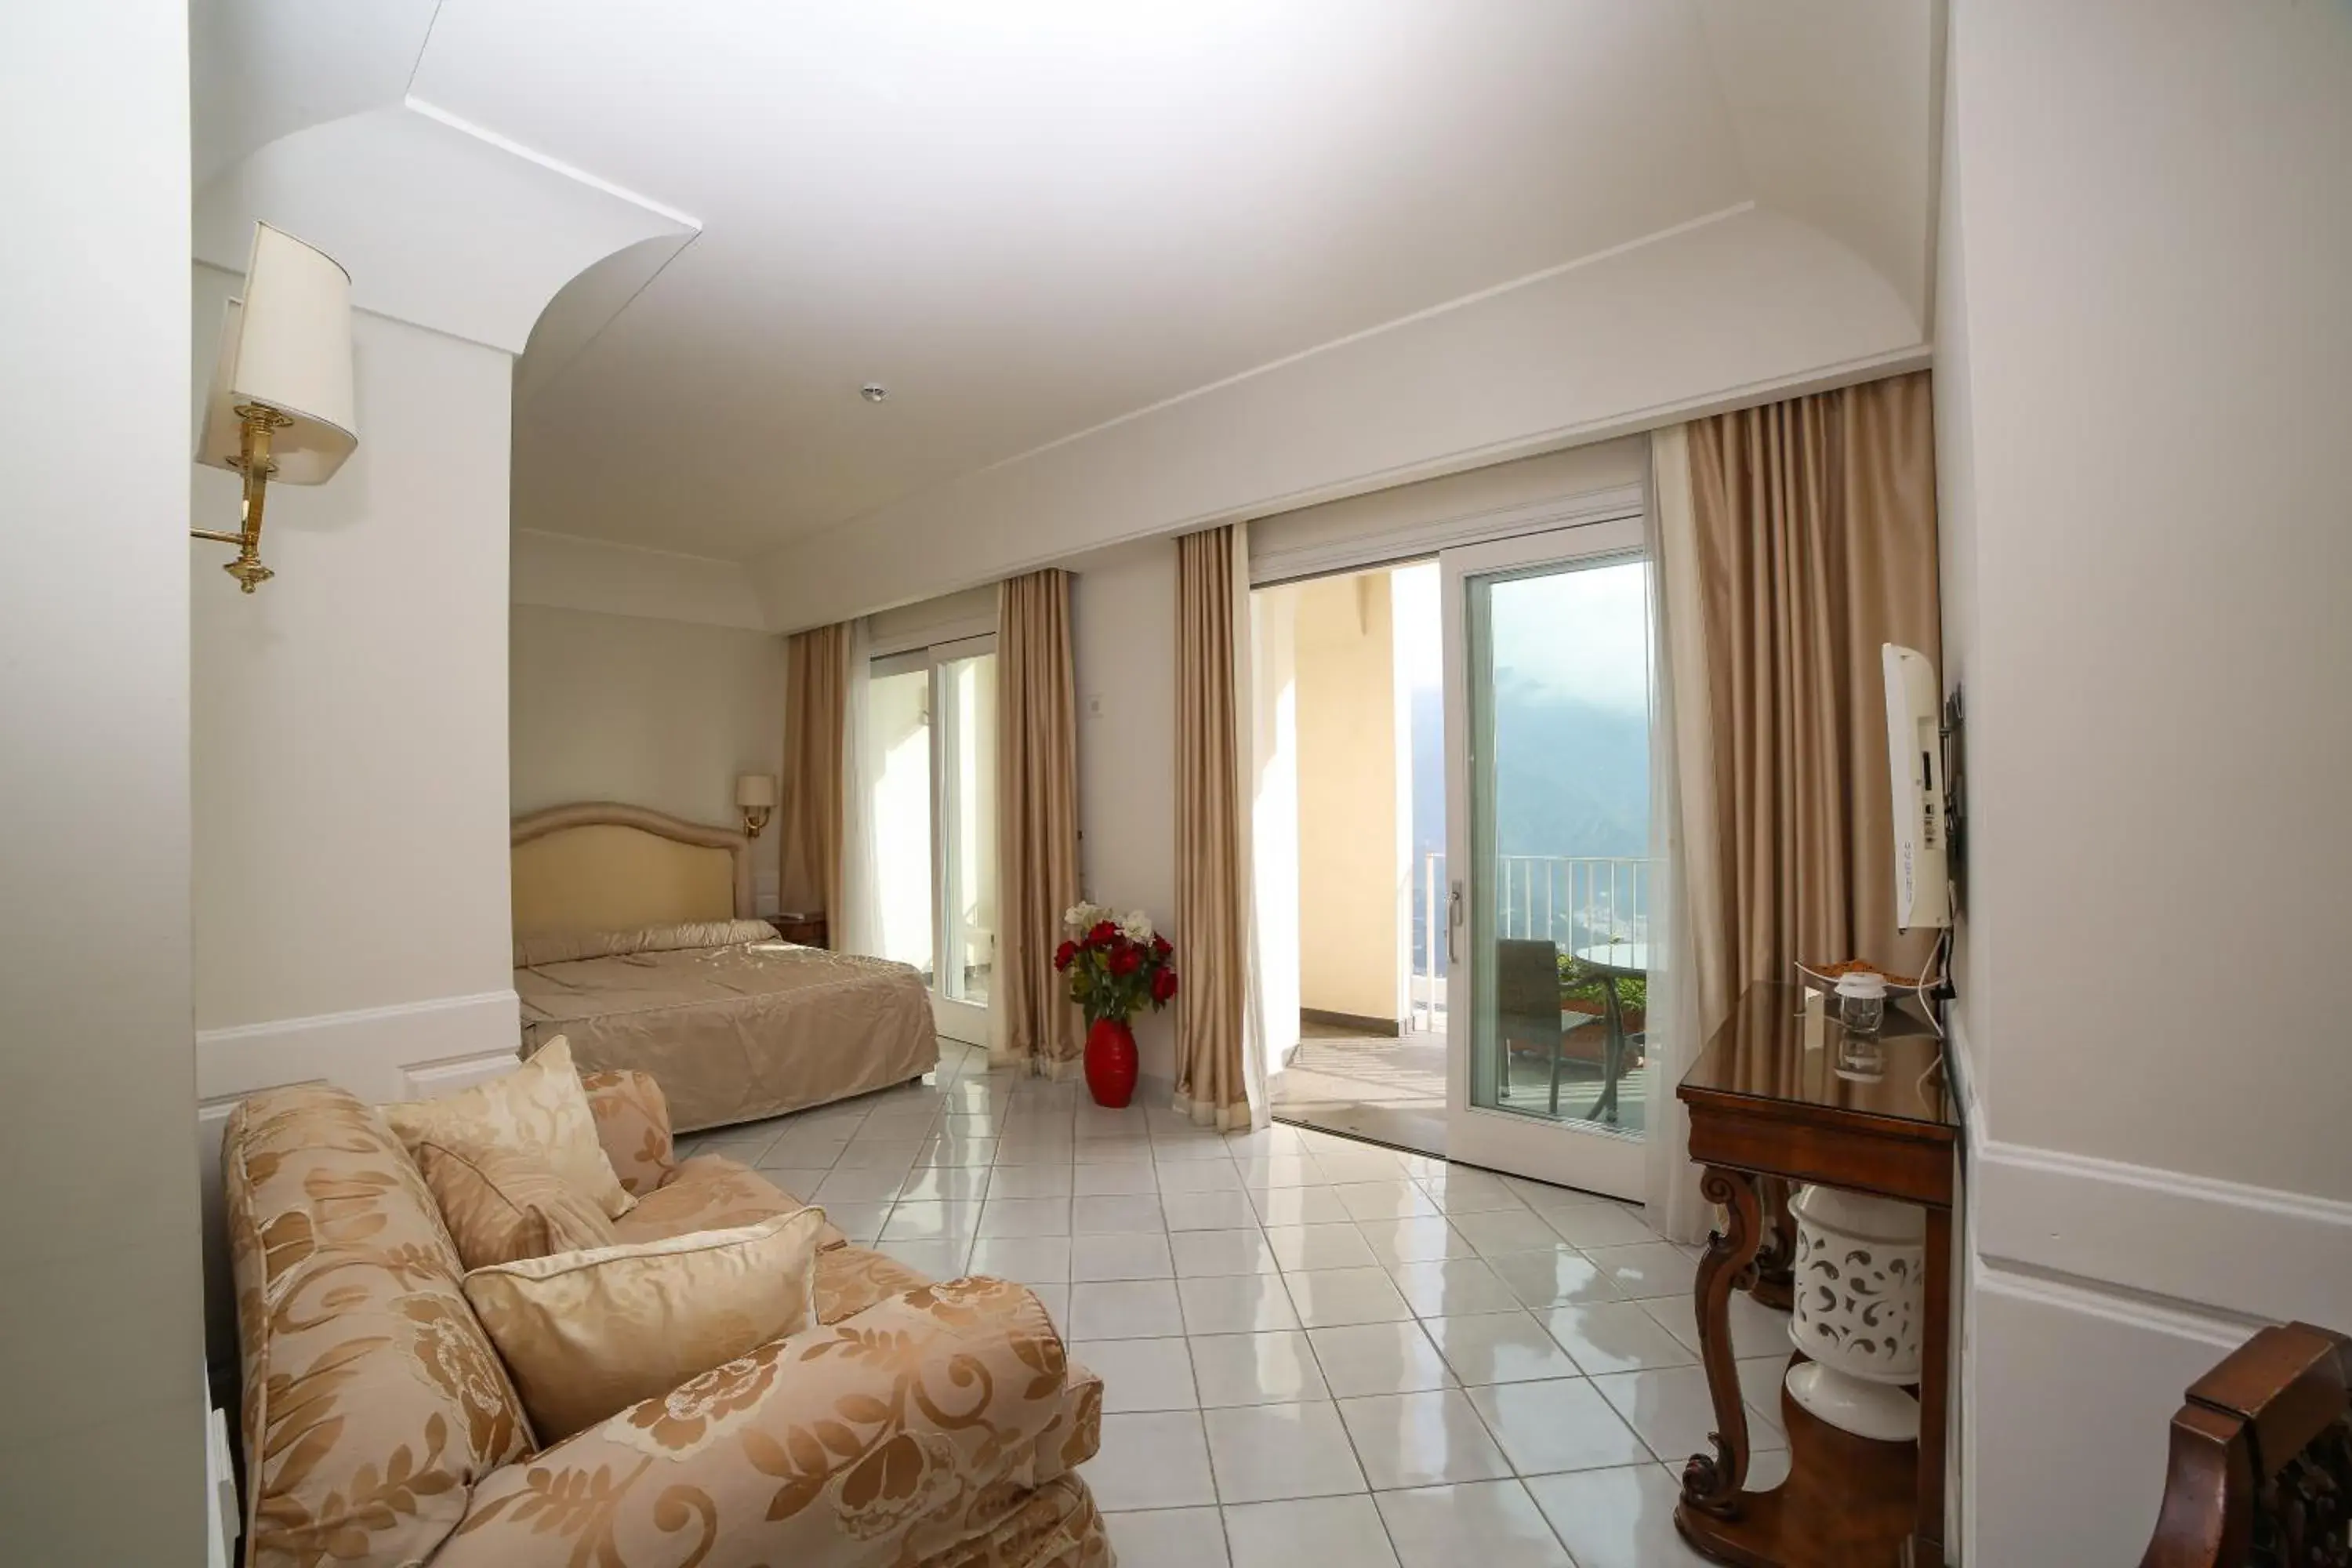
pixel 1114 964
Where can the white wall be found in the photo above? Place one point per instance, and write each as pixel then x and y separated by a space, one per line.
pixel 562 572
pixel 102 1461
pixel 2145 376
pixel 653 713
pixel 1352 873
pixel 1123 614
pixel 349 741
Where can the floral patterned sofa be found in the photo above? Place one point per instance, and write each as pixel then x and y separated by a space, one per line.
pixel 918 1423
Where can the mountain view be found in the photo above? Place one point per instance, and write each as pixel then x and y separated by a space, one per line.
pixel 1571 726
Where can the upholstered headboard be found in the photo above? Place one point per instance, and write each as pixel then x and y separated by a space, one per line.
pixel 602 866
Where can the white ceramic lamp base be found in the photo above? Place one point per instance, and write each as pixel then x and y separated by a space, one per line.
pixel 1877 1410
pixel 1856 1290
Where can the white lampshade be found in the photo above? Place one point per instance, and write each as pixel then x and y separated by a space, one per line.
pixel 755 789
pixel 287 345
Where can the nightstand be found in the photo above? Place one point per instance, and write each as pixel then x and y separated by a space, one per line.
pixel 808 930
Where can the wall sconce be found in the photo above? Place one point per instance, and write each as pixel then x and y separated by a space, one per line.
pixel 280 402
pixel 756 794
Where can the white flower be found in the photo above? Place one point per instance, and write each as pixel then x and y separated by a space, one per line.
pixel 1137 925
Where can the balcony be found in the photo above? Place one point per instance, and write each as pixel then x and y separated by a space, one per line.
pixel 1583 909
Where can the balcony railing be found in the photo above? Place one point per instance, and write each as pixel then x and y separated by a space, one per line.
pixel 1570 900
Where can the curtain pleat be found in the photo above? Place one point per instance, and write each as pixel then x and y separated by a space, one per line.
pixel 1791 540
pixel 1214 1080
pixel 856 919
pixel 1815 523
pixel 1032 1022
pixel 817 709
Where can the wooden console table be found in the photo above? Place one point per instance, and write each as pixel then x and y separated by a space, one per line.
pixel 1763 1107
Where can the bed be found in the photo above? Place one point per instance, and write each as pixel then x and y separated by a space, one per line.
pixel 634 940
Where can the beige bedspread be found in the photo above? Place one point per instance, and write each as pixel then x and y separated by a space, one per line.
pixel 733 1031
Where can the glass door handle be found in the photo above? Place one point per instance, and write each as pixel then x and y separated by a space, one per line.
pixel 1454 924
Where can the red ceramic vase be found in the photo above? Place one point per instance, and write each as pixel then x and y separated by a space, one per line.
pixel 1111 1062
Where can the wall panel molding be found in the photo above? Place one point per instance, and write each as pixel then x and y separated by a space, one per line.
pixel 2138 1232
pixel 368 1051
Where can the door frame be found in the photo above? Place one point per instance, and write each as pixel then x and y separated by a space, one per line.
pixel 1572 1154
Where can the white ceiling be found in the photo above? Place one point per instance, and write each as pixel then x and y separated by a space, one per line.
pixel 1031 218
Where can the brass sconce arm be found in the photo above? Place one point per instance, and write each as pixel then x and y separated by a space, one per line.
pixel 755 817
pixel 254 461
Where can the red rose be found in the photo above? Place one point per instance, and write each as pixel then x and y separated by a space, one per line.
pixel 1164 987
pixel 1102 936
pixel 1161 947
pixel 1064 954
pixel 1126 958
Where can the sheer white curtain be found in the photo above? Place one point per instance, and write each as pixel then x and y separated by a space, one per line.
pixel 1257 1035
pixel 857 925
pixel 1681 803
pixel 1272 796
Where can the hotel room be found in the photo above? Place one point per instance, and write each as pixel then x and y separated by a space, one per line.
pixel 1042 785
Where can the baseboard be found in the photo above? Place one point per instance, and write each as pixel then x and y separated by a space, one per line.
pixel 1357 1023
pixel 416 1050
pixel 2138 1234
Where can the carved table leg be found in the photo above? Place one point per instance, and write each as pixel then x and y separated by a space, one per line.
pixel 1712 1482
pixel 1776 1259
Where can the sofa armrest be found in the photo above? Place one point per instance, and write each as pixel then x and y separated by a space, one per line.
pixel 633 1124
pixel 890 1437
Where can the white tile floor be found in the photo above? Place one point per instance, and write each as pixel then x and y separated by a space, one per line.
pixel 1308 1346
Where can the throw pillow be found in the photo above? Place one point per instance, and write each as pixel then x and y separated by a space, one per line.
pixel 538 1108
pixel 502 1207
pixel 587 1334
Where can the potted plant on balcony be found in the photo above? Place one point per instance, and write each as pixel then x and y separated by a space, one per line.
pixel 1114 964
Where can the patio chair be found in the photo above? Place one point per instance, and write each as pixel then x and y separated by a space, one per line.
pixel 1526 1005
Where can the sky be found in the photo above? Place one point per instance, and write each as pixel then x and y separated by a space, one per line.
pixel 1584 634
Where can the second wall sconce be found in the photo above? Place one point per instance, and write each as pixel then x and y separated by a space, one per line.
pixel 756 794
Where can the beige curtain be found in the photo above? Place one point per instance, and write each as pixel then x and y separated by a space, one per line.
pixel 1213 885
pixel 816 696
pixel 1030 1021
pixel 1813 542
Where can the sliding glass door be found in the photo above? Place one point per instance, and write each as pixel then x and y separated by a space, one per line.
pixel 932 717
pixel 1548 719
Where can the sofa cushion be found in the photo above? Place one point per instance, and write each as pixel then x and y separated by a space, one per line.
pixel 710 1192
pixel 372 1399
pixel 587 1333
pixel 633 1123
pixel 502 1206
pixel 538 1108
